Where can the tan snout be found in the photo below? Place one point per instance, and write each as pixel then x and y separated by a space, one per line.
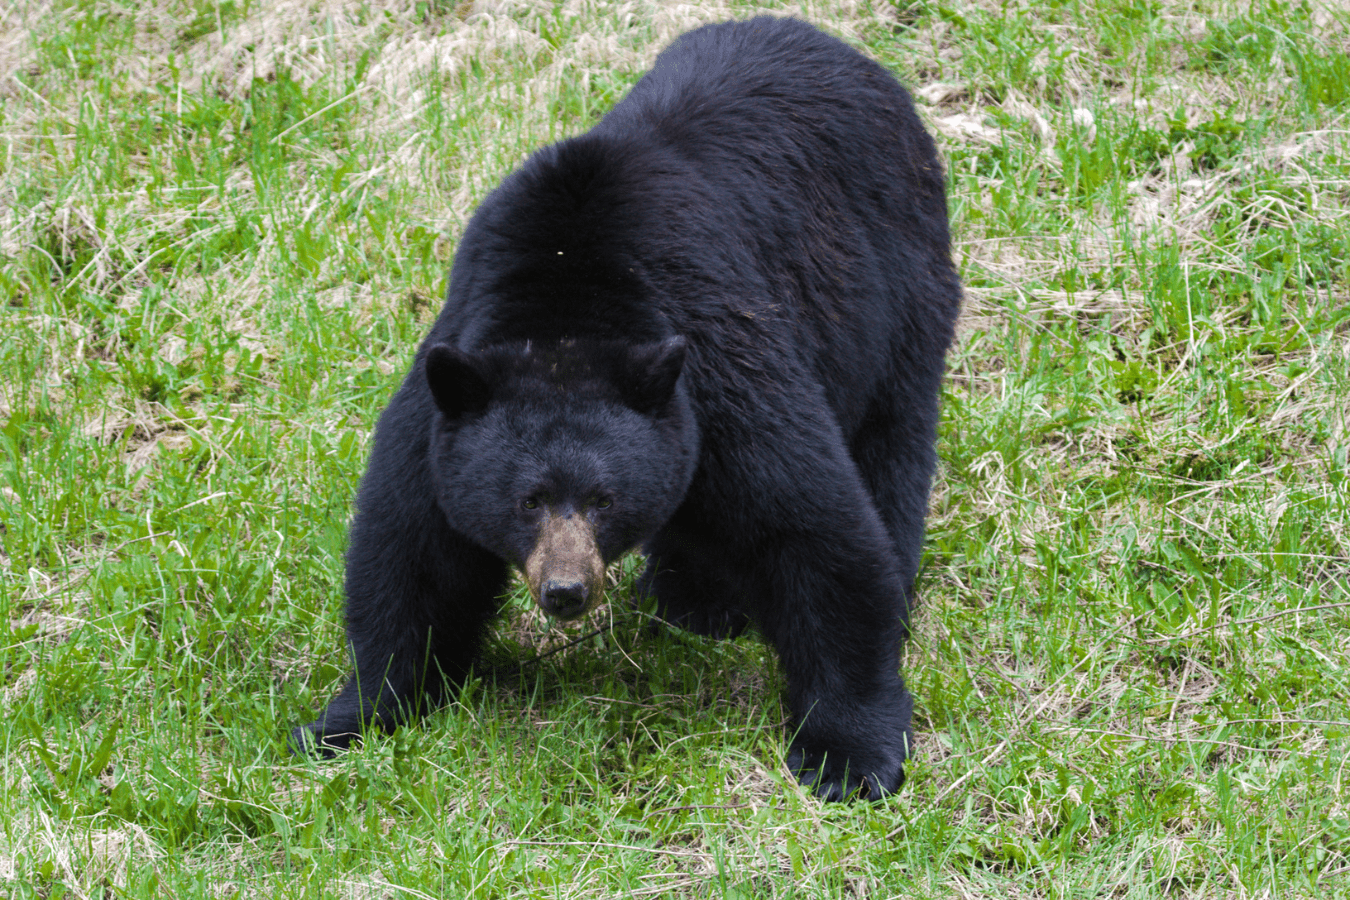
pixel 564 571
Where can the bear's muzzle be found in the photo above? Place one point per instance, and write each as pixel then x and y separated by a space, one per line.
pixel 564 570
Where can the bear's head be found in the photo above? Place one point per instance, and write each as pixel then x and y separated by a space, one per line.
pixel 562 457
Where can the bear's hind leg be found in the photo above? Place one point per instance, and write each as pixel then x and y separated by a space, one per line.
pixel 894 454
pixel 692 592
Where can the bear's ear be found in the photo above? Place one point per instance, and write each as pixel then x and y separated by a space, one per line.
pixel 650 373
pixel 458 382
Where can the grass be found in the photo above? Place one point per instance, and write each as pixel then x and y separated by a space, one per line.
pixel 224 226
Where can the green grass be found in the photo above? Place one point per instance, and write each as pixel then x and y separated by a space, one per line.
pixel 224 227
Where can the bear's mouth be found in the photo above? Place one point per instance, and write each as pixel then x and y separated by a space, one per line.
pixel 564 571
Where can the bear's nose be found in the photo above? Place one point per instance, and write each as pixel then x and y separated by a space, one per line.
pixel 564 599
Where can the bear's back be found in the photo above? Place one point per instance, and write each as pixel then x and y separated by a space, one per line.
pixel 776 97
pixel 764 190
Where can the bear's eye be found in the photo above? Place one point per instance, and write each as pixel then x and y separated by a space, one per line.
pixel 604 503
pixel 529 503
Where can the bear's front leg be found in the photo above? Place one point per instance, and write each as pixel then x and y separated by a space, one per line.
pixel 835 610
pixel 418 597
pixel 693 590
pixel 846 750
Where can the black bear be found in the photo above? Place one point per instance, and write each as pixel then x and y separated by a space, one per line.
pixel 712 327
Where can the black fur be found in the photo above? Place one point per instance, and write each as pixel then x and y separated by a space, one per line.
pixel 715 325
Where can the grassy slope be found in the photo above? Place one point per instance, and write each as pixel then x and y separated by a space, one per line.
pixel 224 227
